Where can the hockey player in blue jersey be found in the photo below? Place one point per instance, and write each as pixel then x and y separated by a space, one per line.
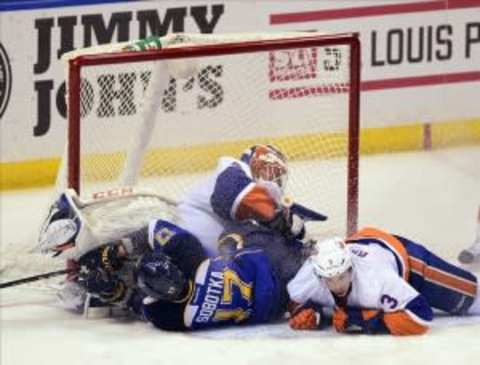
pixel 181 289
pixel 251 187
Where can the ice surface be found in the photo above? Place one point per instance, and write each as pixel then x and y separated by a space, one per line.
pixel 431 197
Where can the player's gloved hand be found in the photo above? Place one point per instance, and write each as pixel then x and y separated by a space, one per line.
pixel 109 257
pixel 357 320
pixel 306 317
pixel 135 302
pixel 102 284
pixel 288 224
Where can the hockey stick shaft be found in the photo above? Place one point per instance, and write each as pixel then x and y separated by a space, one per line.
pixel 306 213
pixel 30 279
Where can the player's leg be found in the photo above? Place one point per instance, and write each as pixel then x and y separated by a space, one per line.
pixel 472 253
pixel 446 286
pixel 203 225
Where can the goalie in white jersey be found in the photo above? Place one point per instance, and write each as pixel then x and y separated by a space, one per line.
pixel 240 189
pixel 377 282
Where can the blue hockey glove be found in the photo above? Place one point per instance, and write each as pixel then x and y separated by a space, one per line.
pixel 357 320
pixel 107 257
pixel 102 284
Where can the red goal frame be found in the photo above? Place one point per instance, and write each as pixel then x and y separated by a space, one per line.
pixel 349 39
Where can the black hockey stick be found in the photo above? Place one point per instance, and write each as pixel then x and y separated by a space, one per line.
pixel 30 279
pixel 307 214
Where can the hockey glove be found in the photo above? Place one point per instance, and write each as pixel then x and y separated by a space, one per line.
pixel 103 285
pixel 306 317
pixel 356 320
pixel 108 257
pixel 288 224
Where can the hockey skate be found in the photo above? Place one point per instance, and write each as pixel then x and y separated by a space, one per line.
pixel 470 254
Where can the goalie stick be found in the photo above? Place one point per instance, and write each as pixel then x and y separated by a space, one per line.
pixel 302 211
pixel 33 278
pixel 307 214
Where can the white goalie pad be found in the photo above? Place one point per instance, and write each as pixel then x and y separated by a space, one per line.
pixel 108 216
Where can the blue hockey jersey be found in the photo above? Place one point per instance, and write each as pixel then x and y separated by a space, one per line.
pixel 243 289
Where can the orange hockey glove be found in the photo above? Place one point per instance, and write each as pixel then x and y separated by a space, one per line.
pixel 305 319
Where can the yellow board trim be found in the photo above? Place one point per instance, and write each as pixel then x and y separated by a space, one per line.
pixel 410 137
pixel 28 174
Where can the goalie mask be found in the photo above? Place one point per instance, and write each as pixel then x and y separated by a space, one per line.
pixel 267 163
pixel 161 279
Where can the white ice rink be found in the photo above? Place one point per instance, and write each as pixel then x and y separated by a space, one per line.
pixel 431 197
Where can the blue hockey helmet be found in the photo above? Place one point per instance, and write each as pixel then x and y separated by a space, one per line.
pixel 159 278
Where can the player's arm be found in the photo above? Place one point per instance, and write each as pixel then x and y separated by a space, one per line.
pixel 104 274
pixel 405 311
pixel 165 315
pixel 400 311
pixel 412 320
pixel 306 300
pixel 237 197
pixel 100 266
pixel 181 246
pixel 167 291
pixel 159 236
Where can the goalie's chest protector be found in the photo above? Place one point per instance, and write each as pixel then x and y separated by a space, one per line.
pixel 243 289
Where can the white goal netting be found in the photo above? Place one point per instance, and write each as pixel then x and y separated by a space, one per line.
pixel 159 112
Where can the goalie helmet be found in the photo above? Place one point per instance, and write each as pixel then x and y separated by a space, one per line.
pixel 331 258
pixel 159 278
pixel 267 163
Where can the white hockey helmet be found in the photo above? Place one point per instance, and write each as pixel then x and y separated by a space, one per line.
pixel 331 258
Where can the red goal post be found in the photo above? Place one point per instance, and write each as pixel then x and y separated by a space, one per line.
pixel 310 108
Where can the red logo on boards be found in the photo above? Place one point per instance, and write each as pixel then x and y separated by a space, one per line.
pixel 293 64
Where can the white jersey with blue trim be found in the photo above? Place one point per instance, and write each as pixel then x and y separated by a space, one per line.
pixel 376 283
pixel 195 211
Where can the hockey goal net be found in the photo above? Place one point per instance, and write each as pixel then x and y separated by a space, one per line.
pixel 159 112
